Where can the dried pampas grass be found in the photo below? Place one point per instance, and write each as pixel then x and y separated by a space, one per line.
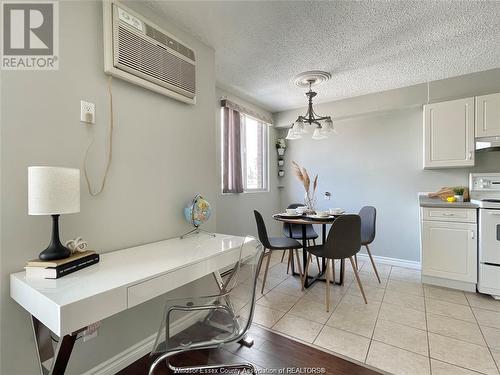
pixel 304 178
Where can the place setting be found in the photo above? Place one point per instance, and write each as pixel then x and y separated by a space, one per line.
pixel 303 213
pixel 293 212
pixel 330 213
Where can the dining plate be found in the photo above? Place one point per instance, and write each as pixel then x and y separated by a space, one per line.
pixel 318 217
pixel 338 213
pixel 284 214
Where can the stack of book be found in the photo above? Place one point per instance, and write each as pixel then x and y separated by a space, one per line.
pixel 55 269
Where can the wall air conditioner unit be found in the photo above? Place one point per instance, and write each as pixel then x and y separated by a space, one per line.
pixel 140 52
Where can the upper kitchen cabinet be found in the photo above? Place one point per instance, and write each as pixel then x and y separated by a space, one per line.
pixel 449 134
pixel 488 115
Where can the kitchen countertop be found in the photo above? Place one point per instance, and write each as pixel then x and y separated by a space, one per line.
pixel 436 202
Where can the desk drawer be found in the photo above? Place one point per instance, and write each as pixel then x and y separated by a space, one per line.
pixel 464 215
pixel 149 289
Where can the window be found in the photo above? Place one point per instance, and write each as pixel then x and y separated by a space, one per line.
pixel 254 143
pixel 244 153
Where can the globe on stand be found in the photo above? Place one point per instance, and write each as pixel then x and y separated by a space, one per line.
pixel 196 213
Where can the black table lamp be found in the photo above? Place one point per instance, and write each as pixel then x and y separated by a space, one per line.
pixel 53 191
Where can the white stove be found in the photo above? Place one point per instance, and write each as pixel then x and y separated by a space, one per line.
pixel 487 203
pixel 485 192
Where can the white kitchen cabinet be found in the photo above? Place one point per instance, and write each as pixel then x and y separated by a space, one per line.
pixel 464 215
pixel 488 115
pixel 449 249
pixel 449 134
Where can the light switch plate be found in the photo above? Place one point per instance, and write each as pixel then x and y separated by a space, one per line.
pixel 87 112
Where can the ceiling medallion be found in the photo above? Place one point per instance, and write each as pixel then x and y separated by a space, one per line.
pixel 323 124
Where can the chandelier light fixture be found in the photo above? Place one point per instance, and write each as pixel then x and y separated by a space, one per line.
pixel 323 125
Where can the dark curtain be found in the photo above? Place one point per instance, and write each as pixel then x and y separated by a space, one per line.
pixel 232 177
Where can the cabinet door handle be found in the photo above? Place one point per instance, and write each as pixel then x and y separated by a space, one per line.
pixel 472 235
pixel 448 214
pixel 494 213
pixel 470 155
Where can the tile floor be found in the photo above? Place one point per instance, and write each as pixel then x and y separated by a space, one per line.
pixel 406 328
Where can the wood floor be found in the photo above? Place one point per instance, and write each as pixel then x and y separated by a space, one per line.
pixel 270 351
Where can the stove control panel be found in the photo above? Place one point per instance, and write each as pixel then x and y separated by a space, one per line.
pixel 485 189
pixel 484 181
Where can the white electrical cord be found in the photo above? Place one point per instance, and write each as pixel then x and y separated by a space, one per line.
pixel 110 148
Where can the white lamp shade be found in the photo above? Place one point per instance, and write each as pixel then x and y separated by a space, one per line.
pixel 293 135
pixel 318 134
pixel 328 126
pixel 299 127
pixel 53 190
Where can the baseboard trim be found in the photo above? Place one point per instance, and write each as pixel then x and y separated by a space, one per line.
pixel 447 283
pixel 137 351
pixel 391 261
pixel 123 359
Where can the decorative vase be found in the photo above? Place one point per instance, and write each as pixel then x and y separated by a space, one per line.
pixel 310 202
pixel 459 198
pixel 281 151
pixel 281 173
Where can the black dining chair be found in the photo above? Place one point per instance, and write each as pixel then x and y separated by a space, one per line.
pixel 368 216
pixel 295 231
pixel 343 241
pixel 276 243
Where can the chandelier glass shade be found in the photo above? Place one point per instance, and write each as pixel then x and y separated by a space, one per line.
pixel 323 125
pixel 319 134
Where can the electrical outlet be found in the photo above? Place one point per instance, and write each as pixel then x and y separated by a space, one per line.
pixel 87 112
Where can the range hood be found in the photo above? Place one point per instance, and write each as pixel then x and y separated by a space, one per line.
pixel 488 144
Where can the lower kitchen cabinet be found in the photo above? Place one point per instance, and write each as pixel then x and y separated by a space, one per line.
pixel 449 250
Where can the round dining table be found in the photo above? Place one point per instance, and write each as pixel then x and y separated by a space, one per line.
pixel 305 220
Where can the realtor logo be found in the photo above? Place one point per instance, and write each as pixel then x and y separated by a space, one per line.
pixel 30 35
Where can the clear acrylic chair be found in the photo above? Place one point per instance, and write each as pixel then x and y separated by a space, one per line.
pixel 211 321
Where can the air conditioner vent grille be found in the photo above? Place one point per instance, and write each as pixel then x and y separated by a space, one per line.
pixel 171 43
pixel 153 60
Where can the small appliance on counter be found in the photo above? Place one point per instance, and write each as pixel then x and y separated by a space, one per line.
pixel 485 192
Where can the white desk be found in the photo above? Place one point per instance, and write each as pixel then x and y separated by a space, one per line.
pixel 121 280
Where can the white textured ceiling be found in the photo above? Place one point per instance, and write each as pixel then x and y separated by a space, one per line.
pixel 367 46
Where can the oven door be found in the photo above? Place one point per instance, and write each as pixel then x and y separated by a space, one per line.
pixel 489 236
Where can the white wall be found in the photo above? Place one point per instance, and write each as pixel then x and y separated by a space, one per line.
pixel 376 157
pixel 235 211
pixel 164 153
